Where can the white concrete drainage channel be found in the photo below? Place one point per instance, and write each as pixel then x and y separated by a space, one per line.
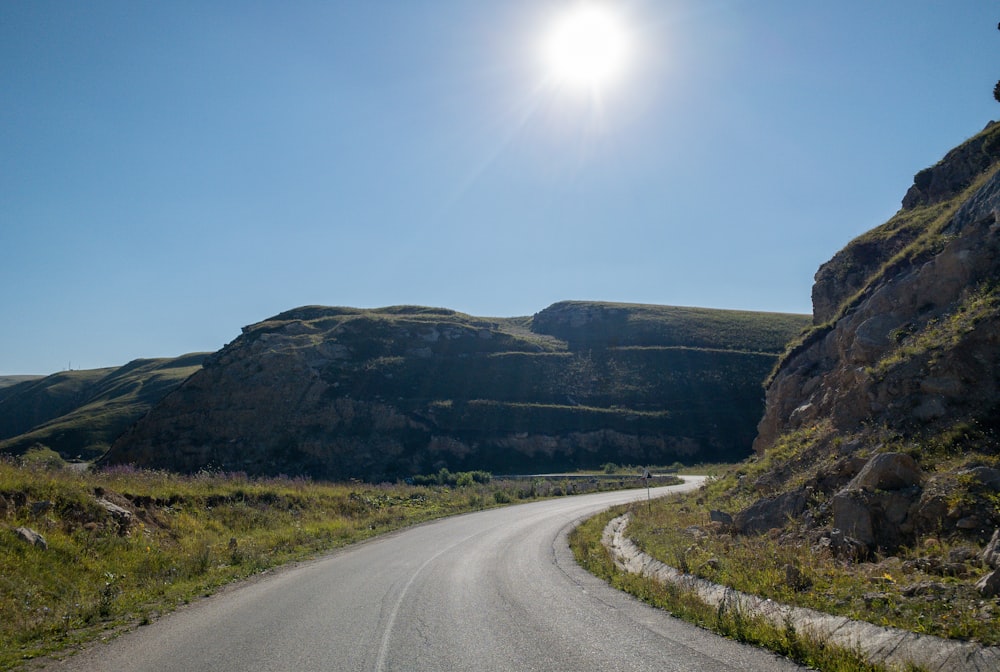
pixel 881 645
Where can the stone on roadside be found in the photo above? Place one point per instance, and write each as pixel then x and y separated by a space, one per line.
pixel 991 554
pixel 720 517
pixel 770 513
pixel 887 471
pixel 29 536
pixel 989 585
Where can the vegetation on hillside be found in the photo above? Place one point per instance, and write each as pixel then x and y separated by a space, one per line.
pixel 79 413
pixel 7 381
pixel 630 324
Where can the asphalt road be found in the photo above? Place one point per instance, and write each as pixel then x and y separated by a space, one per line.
pixel 494 590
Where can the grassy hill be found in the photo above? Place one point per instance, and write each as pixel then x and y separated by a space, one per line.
pixel 79 413
pixel 7 381
pixel 382 393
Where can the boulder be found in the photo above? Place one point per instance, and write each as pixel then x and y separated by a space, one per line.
pixel 770 513
pixel 991 554
pixel 796 579
pixel 887 471
pixel 930 513
pixel 29 536
pixel 840 473
pixel 985 476
pixel 122 516
pixel 720 517
pixel 842 546
pixel 852 514
pixel 878 519
pixel 989 585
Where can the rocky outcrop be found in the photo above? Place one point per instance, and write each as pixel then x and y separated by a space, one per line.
pixel 908 315
pixel 989 585
pixel 886 411
pixel 850 270
pixel 387 393
pixel 955 172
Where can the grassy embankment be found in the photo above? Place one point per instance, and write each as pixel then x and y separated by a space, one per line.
pixel 185 536
pixel 585 541
pixel 901 590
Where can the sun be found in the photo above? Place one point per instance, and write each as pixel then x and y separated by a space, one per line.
pixel 588 47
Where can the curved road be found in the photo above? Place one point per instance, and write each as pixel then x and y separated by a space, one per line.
pixel 494 590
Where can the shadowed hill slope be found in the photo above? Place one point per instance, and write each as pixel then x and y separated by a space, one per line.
pixel 79 413
pixel 344 392
pixel 7 381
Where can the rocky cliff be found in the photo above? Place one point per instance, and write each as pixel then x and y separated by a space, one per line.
pixel 904 360
pixel 906 315
pixel 341 392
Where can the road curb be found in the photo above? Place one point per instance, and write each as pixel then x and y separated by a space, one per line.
pixel 888 646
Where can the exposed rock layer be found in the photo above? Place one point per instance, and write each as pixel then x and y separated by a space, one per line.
pixel 885 414
pixel 340 392
pixel 909 323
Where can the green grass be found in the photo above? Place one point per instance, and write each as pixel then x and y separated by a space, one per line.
pixel 629 324
pixel 7 381
pixel 188 535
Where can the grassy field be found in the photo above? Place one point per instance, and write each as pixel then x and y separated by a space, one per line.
pixel 123 545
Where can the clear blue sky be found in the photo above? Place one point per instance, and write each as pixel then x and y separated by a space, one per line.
pixel 173 171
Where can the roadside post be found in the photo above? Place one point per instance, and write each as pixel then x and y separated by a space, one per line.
pixel 649 497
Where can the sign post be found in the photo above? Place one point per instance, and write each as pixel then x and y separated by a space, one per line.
pixel 649 497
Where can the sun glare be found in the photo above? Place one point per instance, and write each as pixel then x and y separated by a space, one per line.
pixel 587 47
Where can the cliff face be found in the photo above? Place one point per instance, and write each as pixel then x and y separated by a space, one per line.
pixel 907 316
pixel 340 392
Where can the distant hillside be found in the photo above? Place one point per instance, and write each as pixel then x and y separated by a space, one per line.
pixel 7 381
pixel 79 413
pixel 343 392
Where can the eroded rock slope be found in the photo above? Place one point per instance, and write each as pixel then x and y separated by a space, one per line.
pixel 342 392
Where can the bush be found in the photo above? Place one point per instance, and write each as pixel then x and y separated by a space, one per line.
pixel 447 478
pixel 42 456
